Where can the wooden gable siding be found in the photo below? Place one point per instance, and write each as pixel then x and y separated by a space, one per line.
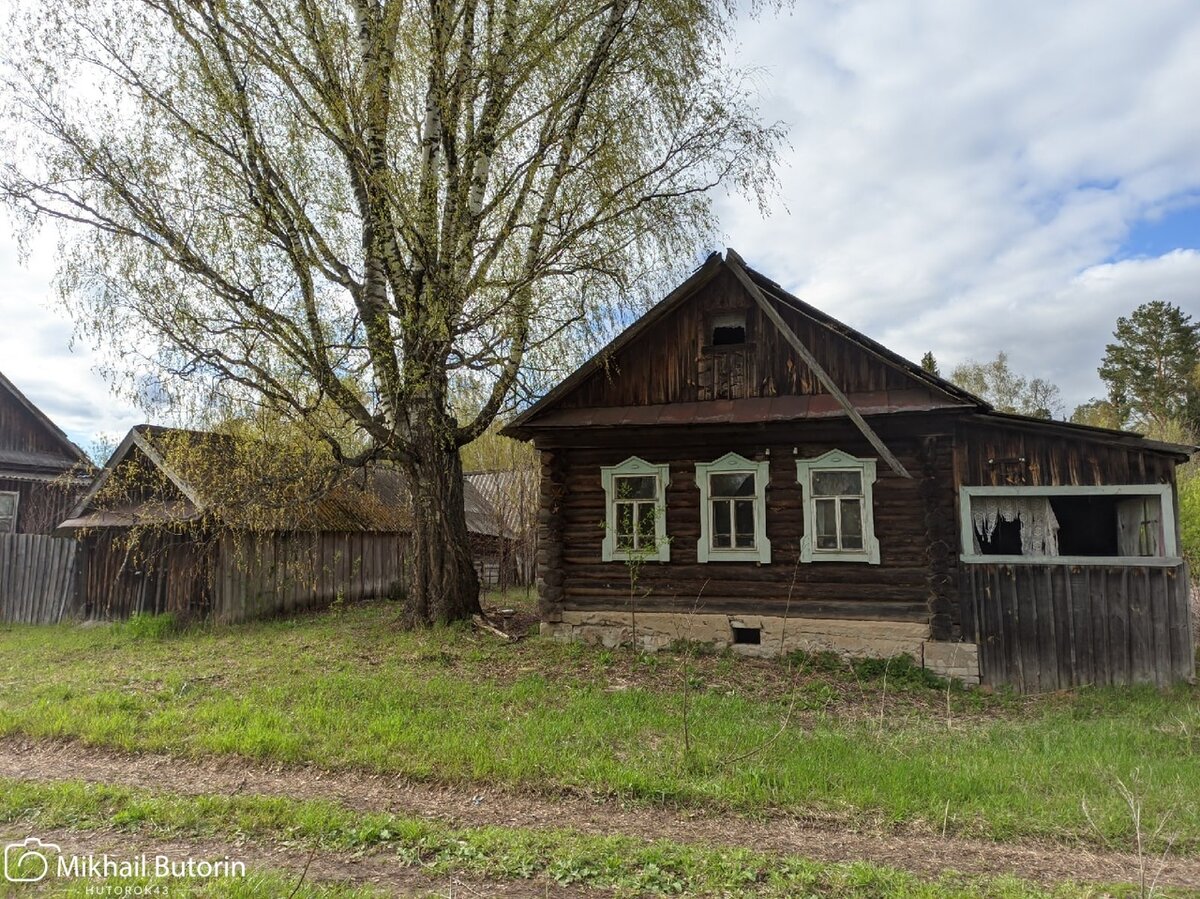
pixel 914 522
pixel 23 433
pixel 672 363
pixel 1004 455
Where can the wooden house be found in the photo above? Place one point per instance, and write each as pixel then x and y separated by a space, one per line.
pixel 42 472
pixel 512 494
pixel 741 468
pixel 165 528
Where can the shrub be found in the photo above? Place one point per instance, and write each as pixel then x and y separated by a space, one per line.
pixel 150 627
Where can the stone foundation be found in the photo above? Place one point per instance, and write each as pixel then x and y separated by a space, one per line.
pixel 777 636
pixel 954 660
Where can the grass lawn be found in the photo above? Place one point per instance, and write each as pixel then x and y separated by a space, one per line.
pixel 348 688
pixel 628 866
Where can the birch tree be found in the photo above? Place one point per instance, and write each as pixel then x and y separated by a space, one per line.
pixel 350 204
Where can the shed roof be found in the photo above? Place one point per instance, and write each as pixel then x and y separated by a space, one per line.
pixel 193 463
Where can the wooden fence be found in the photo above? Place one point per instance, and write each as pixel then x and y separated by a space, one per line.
pixel 1050 627
pixel 37 578
pixel 236 577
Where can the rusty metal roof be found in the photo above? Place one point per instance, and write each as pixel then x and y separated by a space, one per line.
pixel 744 411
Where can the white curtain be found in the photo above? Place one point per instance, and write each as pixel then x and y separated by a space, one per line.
pixel 1039 527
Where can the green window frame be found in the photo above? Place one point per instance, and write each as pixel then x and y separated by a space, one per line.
pixel 635 504
pixel 839 508
pixel 733 510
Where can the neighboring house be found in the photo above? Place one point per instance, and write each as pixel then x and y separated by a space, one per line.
pixel 774 480
pixel 512 494
pixel 41 471
pixel 180 521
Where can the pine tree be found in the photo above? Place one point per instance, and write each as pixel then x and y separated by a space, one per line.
pixel 1151 369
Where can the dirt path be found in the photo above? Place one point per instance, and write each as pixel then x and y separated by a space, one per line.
pixel 378 871
pixel 920 853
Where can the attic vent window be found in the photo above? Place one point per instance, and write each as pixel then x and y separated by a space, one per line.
pixel 729 329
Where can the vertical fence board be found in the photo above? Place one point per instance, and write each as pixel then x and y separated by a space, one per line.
pixel 37 578
pixel 1048 627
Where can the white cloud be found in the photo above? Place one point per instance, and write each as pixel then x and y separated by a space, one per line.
pixel 36 352
pixel 959 173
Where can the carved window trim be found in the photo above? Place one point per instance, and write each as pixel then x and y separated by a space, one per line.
pixel 635 467
pixel 732 463
pixel 837 460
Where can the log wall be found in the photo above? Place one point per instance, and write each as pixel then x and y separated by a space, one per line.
pixel 916 580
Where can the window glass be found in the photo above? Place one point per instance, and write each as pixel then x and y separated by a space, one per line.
pixel 852 524
pixel 744 522
pixel 826 524
pixel 837 483
pixel 645 519
pixel 738 484
pixel 722 526
pixel 8 513
pixel 625 525
pixel 636 487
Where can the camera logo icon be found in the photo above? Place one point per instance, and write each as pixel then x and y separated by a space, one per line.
pixel 27 861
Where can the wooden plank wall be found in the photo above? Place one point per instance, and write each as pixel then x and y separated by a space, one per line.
pixel 42 504
pixel 237 577
pixel 261 575
pixel 1051 627
pixel 995 456
pixel 671 362
pixel 37 578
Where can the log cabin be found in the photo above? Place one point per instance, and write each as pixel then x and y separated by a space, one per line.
pixel 740 468
pixel 202 526
pixel 42 473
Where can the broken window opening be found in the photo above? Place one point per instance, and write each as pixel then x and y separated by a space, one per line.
pixel 729 330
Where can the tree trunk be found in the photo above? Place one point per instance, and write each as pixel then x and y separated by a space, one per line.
pixel 445 586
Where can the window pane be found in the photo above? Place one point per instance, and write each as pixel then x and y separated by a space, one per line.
pixel 837 483
pixel 625 525
pixel 645 519
pixel 738 484
pixel 8 503
pixel 744 520
pixel 636 488
pixel 852 535
pixel 8 525
pixel 720 521
pixel 827 524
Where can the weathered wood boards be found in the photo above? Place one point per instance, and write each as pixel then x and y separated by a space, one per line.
pixel 1050 627
pixel 37 578
pixel 238 577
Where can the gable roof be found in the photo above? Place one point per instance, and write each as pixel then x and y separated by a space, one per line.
pixel 783 407
pixel 69 454
pixel 356 499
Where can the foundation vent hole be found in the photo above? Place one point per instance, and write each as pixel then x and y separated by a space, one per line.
pixel 747 636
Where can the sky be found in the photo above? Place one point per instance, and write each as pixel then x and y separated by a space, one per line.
pixel 961 176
